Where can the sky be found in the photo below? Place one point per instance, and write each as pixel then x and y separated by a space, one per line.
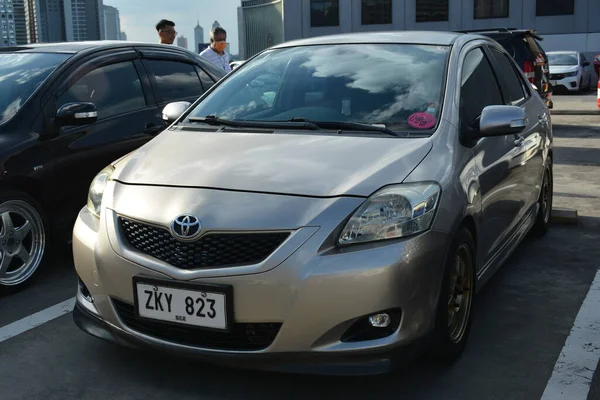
pixel 138 18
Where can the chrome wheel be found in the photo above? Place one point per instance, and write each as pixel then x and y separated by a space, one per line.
pixel 22 241
pixel 460 293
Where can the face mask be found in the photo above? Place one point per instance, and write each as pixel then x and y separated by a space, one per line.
pixel 220 46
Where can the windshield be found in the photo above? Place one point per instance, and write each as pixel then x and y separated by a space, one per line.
pixel 396 85
pixel 20 76
pixel 563 59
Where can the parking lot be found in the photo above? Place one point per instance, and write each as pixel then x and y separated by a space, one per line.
pixel 521 322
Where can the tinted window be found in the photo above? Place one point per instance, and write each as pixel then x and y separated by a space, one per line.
pixel 114 89
pixel 324 13
pixel 206 80
pixel 376 12
pixel 486 9
pixel 20 75
pixel 479 87
pixel 371 83
pixel 432 10
pixel 507 74
pixel 546 8
pixel 174 80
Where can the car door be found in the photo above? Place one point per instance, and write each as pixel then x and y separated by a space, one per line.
pixel 527 155
pixel 127 118
pixel 494 157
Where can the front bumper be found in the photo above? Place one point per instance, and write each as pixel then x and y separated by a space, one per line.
pixel 302 305
pixel 369 363
pixel 570 83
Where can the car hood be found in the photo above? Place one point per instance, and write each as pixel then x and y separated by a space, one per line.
pixel 309 165
pixel 562 69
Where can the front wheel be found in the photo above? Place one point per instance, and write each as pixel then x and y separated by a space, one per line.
pixel 453 317
pixel 22 240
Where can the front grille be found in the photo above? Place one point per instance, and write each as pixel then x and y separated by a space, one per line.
pixel 213 250
pixel 242 337
pixel 557 77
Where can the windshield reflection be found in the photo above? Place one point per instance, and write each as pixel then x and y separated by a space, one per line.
pixel 20 76
pixel 366 83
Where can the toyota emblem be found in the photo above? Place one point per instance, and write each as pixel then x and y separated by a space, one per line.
pixel 186 227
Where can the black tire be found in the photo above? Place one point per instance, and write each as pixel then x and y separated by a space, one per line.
pixel 447 344
pixel 21 207
pixel 543 218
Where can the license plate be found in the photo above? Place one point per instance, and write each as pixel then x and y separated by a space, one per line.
pixel 204 306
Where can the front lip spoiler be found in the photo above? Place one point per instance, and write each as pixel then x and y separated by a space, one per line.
pixel 374 363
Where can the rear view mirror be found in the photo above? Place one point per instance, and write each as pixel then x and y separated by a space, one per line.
pixel 173 111
pixel 77 114
pixel 502 121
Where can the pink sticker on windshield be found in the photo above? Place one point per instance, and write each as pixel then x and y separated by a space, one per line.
pixel 422 120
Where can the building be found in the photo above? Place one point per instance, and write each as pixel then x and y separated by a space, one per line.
pixel 122 36
pixel 112 23
pixel 215 24
pixel 182 42
pixel 564 24
pixel 45 21
pixel 20 25
pixel 8 36
pixel 84 20
pixel 198 35
pixel 260 25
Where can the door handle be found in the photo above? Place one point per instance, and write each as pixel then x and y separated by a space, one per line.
pixel 519 140
pixel 153 129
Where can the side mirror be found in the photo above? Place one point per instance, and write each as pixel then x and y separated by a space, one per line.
pixel 172 111
pixel 502 121
pixel 586 63
pixel 77 114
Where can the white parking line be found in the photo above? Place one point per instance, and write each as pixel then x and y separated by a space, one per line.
pixel 37 319
pixel 574 369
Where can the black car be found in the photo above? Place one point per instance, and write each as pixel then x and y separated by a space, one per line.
pixel 66 111
pixel 524 46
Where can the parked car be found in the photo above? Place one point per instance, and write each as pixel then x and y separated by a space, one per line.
pixel 524 46
pixel 67 110
pixel 570 70
pixel 597 64
pixel 345 223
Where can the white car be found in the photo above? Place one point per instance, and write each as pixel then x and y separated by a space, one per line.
pixel 570 70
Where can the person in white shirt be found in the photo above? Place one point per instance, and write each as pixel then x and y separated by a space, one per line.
pixel 166 31
pixel 216 53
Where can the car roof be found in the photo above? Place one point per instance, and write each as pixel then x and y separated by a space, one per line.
pixel 563 52
pixel 77 47
pixel 439 38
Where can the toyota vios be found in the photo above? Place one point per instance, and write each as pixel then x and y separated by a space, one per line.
pixel 332 205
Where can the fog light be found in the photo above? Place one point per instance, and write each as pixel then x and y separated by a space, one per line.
pixel 380 320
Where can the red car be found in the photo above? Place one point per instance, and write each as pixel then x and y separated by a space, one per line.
pixel 597 64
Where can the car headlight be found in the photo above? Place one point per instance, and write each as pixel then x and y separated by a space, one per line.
pixel 574 73
pixel 393 212
pixel 96 191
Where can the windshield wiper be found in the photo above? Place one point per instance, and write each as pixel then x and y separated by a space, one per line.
pixel 348 126
pixel 214 120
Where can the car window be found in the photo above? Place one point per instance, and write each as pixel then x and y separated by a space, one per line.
pixel 507 74
pixel 114 89
pixel 174 80
pixel 20 76
pixel 479 87
pixel 206 80
pixel 563 59
pixel 397 85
